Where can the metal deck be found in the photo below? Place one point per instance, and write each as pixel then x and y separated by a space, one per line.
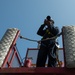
pixel 37 71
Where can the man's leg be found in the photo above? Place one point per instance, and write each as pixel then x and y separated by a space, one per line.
pixel 42 56
pixel 52 57
pixel 51 62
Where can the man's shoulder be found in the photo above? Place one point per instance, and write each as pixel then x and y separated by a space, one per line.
pixel 56 29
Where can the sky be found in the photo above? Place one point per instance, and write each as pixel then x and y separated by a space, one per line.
pixel 28 15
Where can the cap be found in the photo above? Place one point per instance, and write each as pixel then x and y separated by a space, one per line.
pixel 48 17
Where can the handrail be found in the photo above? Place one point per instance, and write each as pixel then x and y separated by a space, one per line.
pixel 59 63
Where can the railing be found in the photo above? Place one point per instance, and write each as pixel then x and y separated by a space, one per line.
pixel 59 63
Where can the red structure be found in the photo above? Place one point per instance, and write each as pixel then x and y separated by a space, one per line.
pixel 12 58
pixel 12 64
pixel 32 56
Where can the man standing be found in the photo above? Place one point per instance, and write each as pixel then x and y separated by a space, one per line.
pixel 47 47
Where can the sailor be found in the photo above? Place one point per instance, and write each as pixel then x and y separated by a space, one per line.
pixel 48 47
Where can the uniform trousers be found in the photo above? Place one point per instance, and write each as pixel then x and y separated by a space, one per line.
pixel 44 53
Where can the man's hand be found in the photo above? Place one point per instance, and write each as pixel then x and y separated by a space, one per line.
pixel 46 22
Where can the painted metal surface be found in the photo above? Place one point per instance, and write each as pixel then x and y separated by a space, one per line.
pixel 37 71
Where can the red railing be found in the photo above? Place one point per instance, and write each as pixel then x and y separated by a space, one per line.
pixel 59 63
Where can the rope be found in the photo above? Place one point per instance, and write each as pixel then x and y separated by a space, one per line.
pixel 38 41
pixel 28 39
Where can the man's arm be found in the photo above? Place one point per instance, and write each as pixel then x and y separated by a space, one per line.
pixel 41 31
pixel 59 34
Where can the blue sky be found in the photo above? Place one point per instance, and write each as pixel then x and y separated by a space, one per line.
pixel 28 15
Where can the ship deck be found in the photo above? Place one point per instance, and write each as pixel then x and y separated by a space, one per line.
pixel 37 71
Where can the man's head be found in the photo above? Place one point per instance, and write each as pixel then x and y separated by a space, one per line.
pixel 48 21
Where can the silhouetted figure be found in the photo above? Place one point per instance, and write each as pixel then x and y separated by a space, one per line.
pixel 48 47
